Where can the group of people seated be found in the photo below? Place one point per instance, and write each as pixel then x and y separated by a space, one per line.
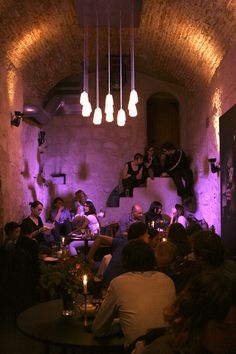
pixel 168 280
pixel 171 162
pixel 175 297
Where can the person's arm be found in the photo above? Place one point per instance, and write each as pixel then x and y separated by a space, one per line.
pixel 140 174
pixel 103 323
pixel 85 223
pixel 172 216
pixel 99 241
pixel 125 174
pixel 58 214
pixel 35 233
pixel 183 221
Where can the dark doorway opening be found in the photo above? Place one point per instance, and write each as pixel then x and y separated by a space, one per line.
pixel 163 122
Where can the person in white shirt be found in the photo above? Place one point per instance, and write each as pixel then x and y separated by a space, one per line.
pixel 90 222
pixel 137 298
pixel 177 215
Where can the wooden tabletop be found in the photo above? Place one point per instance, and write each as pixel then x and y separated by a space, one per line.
pixel 44 323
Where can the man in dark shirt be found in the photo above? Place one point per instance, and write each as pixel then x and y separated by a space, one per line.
pixel 176 165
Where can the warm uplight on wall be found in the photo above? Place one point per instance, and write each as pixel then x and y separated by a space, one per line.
pixel 217 112
pixel 11 86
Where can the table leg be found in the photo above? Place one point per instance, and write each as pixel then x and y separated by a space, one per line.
pixel 46 349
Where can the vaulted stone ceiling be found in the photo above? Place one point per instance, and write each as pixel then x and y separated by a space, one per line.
pixel 181 41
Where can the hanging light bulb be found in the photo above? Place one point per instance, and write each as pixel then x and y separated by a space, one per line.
pixel 109 117
pixel 97 117
pixel 87 109
pixel 109 103
pixel 121 117
pixel 84 99
pixel 133 98
pixel 133 110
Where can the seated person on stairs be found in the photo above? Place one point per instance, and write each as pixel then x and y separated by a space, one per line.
pixel 152 165
pixel 176 165
pixel 132 174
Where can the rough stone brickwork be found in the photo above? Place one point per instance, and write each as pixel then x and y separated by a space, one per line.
pixel 92 156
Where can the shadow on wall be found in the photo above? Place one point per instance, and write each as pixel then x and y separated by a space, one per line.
pixel 25 173
pixel 205 166
pixel 83 172
pixel 33 192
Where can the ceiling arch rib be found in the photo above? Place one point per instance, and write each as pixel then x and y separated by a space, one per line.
pixel 182 42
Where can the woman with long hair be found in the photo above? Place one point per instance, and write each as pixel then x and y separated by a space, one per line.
pixel 90 223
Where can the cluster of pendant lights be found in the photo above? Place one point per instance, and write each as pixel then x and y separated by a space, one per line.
pixel 109 102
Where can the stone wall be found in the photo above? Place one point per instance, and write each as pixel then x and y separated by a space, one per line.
pixel 17 146
pixel 92 156
pixel 202 134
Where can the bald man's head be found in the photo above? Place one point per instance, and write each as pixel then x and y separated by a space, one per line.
pixel 137 212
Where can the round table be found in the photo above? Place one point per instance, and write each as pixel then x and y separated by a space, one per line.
pixel 44 323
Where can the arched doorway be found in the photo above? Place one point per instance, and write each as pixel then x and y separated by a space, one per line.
pixel 163 120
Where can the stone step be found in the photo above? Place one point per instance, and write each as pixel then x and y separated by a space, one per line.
pixel 161 189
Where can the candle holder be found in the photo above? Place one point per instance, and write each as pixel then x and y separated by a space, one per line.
pixel 85 294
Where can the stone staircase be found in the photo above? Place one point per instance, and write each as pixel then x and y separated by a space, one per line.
pixel 161 189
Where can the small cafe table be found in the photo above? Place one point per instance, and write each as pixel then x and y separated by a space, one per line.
pixel 44 323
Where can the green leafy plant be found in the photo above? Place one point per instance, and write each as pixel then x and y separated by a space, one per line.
pixel 64 276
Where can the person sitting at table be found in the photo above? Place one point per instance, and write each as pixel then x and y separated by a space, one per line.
pixel 154 217
pixel 79 202
pixel 177 215
pixel 111 266
pixel 137 298
pixel 90 223
pixel 126 220
pixel 33 227
pixel 26 273
pixel 132 174
pixel 151 163
pixel 202 319
pixel 12 232
pixel 61 218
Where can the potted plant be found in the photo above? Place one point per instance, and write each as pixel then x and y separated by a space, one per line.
pixel 64 279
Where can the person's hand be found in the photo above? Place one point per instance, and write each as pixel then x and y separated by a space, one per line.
pixel 164 174
pixel 173 211
pixel 43 229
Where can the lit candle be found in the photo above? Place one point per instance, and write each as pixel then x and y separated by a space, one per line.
pixel 164 239
pixel 85 283
pixel 63 241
